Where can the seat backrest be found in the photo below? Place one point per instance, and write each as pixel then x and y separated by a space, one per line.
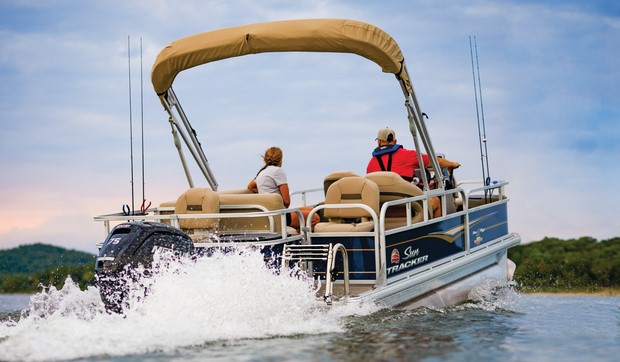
pixel 351 190
pixel 335 176
pixel 197 201
pixel 393 187
pixel 250 202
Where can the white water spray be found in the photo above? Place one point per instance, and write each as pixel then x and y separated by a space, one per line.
pixel 222 297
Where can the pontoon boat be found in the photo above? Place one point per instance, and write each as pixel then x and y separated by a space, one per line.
pixel 377 240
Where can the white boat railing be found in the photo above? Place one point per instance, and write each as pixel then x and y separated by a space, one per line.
pixel 379 233
pixel 174 219
pixel 304 193
pixel 374 234
pixel 499 185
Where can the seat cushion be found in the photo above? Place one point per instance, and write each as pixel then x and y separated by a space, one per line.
pixel 351 190
pixel 198 201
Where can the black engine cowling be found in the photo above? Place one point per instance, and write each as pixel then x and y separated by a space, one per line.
pixel 128 246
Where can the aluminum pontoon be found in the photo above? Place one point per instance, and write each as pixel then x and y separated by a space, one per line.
pixel 377 240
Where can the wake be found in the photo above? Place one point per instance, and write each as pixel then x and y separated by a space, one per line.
pixel 222 297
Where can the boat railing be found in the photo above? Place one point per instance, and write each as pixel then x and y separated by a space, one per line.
pixel 304 194
pixel 484 197
pixel 174 219
pixel 442 194
pixel 374 233
pixel 316 209
pixel 467 208
pixel 500 186
pixel 379 231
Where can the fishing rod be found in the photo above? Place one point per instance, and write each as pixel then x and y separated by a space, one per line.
pixel 482 138
pixel 484 131
pixel 126 209
pixel 144 206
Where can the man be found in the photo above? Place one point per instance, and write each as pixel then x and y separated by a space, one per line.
pixel 390 156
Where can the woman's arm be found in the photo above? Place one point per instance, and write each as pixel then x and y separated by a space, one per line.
pixel 252 186
pixel 286 196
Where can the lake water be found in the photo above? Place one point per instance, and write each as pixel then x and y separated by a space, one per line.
pixel 221 311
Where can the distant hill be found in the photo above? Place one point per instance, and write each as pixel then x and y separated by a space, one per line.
pixel 26 268
pixel 38 257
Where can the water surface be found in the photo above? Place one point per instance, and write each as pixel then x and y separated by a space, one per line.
pixel 234 309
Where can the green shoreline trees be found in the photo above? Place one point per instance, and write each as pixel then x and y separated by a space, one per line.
pixel 554 265
pixel 27 268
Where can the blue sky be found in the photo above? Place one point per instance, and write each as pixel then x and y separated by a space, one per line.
pixel 549 74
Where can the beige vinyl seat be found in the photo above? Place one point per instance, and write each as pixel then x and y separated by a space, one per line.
pixel 393 187
pixel 350 190
pixel 328 181
pixel 251 202
pixel 197 201
pixel 335 176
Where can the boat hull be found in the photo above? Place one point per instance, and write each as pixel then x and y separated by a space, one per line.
pixel 448 283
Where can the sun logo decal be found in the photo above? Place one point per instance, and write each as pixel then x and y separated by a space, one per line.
pixel 395 258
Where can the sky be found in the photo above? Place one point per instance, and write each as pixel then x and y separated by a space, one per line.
pixel 549 76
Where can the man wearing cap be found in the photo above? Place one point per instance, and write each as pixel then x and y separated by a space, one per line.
pixel 390 156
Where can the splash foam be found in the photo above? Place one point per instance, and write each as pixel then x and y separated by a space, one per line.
pixel 222 297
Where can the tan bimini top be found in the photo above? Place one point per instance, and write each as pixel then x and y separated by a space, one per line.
pixel 310 35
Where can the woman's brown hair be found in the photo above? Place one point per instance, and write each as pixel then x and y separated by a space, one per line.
pixel 272 157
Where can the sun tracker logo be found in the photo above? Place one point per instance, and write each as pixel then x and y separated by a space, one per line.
pixel 395 256
pixel 410 259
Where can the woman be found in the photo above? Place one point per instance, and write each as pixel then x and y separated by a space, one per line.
pixel 271 179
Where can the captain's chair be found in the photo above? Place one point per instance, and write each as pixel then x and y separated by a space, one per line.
pixel 350 190
pixel 393 187
pixel 335 176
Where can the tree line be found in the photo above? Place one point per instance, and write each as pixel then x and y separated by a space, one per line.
pixel 27 268
pixel 555 265
pixel 548 265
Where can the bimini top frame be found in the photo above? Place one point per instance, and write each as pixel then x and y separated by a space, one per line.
pixel 309 35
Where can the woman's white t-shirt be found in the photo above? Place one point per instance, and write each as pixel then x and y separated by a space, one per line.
pixel 269 180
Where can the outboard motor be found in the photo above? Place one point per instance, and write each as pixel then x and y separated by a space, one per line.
pixel 128 246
